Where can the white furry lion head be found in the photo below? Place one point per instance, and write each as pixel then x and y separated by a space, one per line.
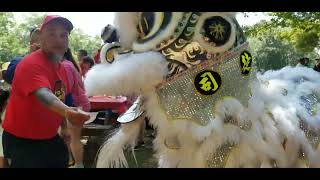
pixel 191 43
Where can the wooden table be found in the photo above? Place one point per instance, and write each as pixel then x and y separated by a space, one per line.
pixel 95 134
pixel 95 129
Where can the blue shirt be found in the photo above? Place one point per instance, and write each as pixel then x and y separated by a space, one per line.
pixel 8 76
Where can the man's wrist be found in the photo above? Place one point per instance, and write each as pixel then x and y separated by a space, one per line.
pixel 64 124
pixel 66 112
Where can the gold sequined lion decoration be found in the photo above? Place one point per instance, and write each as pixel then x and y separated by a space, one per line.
pixel 193 72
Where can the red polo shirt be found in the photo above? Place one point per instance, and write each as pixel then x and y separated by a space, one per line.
pixel 26 117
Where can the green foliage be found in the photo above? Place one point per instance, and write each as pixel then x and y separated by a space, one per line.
pixel 301 29
pixel 304 30
pixel 9 43
pixel 272 53
pixel 6 21
pixel 14 37
pixel 284 40
pixel 30 22
pixel 300 20
pixel 306 41
pixel 80 40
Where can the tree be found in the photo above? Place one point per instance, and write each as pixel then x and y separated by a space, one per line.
pixel 14 37
pixel 301 29
pixel 284 39
pixel 304 30
pixel 272 52
pixel 80 40
pixel 31 21
pixel 10 45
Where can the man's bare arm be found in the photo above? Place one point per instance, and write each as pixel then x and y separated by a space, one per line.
pixel 49 100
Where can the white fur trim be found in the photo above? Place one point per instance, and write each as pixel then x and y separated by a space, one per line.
pixel 231 14
pixel 111 154
pixel 126 24
pixel 274 117
pixel 133 74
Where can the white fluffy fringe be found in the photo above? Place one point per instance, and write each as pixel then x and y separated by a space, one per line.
pixel 274 118
pixel 126 24
pixel 129 75
pixel 111 154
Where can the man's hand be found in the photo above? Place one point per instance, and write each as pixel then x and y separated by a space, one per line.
pixel 76 116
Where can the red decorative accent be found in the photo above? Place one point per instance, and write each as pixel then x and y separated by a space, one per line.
pixel 117 103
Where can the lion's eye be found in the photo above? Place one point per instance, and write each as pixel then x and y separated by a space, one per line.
pixel 149 24
pixel 154 28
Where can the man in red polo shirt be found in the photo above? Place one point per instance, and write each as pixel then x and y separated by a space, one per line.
pixel 35 109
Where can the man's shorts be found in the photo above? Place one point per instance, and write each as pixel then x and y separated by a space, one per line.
pixel 28 153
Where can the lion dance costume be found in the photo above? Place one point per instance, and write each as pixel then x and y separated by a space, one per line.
pixel 194 74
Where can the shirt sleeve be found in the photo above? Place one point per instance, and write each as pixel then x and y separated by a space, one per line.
pixel 29 78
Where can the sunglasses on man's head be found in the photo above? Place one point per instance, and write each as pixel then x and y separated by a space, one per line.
pixel 33 30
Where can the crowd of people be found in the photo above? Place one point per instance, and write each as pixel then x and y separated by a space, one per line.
pixel 47 105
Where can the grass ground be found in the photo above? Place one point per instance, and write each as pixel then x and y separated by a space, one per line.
pixel 143 153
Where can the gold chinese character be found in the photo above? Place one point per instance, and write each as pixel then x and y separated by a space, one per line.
pixel 206 85
pixel 246 59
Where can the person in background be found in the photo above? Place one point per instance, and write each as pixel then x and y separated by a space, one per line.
pixel 303 62
pixel 85 65
pixel 317 65
pixel 109 34
pixel 4 95
pixel 96 57
pixel 30 138
pixel 76 97
pixel 81 53
pixel 34 45
pixel 69 57
pixel 2 161
pixel 4 91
